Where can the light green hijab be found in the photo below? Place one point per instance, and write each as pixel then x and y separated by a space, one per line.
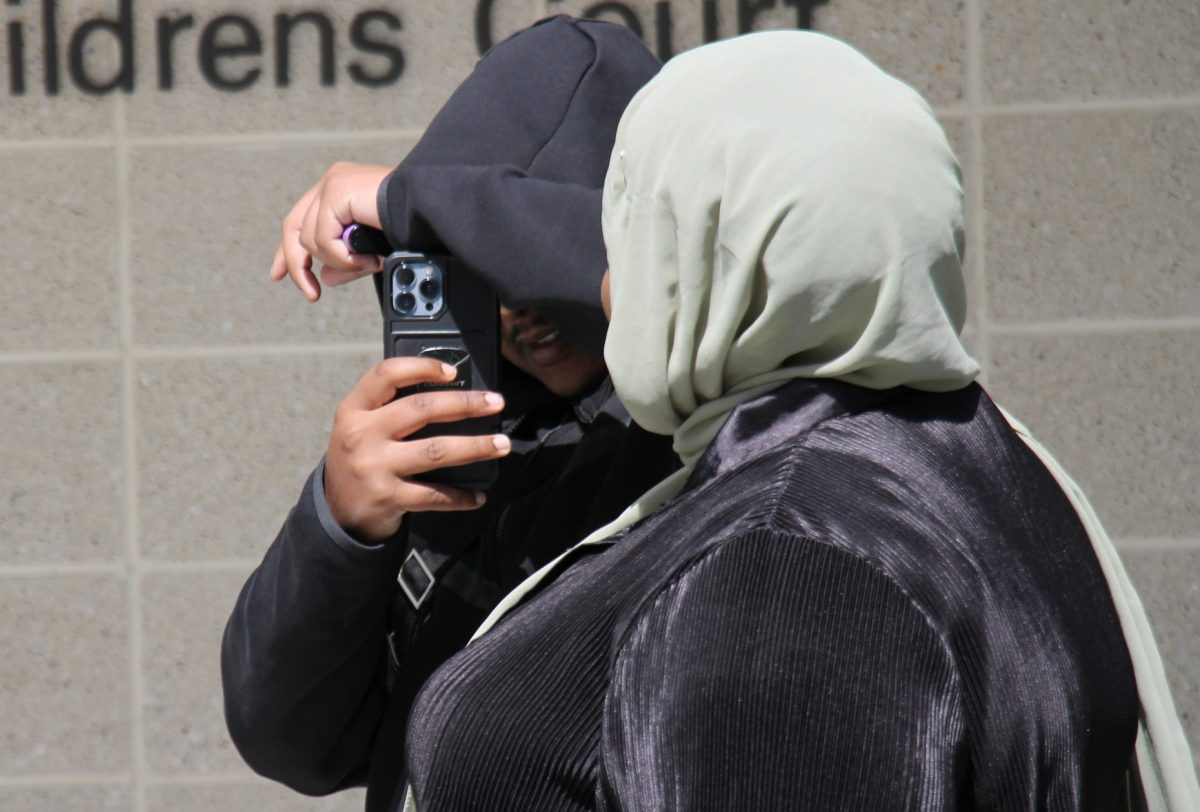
pixel 778 207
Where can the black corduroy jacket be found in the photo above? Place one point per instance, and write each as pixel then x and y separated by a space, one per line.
pixel 867 600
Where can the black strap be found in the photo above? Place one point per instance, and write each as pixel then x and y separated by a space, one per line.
pixel 431 557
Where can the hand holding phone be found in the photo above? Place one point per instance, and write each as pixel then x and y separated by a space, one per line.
pixel 374 460
pixel 436 308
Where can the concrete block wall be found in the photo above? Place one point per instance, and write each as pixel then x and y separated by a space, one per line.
pixel 163 402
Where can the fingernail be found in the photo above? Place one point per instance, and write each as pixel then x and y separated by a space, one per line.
pixel 493 399
pixel 449 370
pixel 480 497
pixel 501 442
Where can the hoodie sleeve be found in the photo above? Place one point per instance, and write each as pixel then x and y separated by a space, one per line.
pixel 303 660
pixel 536 241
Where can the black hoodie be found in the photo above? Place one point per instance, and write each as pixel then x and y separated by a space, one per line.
pixel 508 176
pixel 323 656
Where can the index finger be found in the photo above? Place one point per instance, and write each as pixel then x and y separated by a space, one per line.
pixel 329 247
pixel 297 262
pixel 378 386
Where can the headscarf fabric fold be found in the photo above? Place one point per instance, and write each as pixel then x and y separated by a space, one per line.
pixel 778 207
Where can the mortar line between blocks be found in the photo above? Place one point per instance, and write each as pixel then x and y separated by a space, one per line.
pixel 1100 106
pixel 202 779
pixel 313 137
pixel 129 419
pixel 1157 544
pixel 284 138
pixel 60 357
pixel 55 144
pixel 976 241
pixel 1098 326
pixel 957 112
pixel 183 353
pixel 64 569
pixel 152 567
pixel 316 137
pixel 251 351
pixel 63 780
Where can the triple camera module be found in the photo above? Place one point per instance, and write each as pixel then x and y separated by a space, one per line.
pixel 418 289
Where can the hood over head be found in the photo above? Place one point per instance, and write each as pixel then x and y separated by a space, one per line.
pixel 779 207
pixel 508 175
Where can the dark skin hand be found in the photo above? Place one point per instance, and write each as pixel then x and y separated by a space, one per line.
pixel 312 230
pixel 312 233
pixel 370 463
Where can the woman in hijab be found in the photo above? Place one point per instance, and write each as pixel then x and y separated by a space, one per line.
pixel 867 589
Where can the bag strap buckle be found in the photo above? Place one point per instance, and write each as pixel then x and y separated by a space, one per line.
pixel 412 572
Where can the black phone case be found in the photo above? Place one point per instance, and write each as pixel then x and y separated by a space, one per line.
pixel 464 334
pixel 366 240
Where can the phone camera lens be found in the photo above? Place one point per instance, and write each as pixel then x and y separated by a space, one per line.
pixel 405 303
pixel 430 288
pixel 405 276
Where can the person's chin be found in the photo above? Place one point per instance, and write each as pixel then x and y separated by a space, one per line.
pixel 566 386
pixel 563 368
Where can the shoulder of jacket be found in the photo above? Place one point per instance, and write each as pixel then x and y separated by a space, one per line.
pixel 742 557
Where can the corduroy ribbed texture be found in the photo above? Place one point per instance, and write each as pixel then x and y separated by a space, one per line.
pixel 855 605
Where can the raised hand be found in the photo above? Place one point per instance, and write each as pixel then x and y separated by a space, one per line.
pixel 345 194
pixel 370 462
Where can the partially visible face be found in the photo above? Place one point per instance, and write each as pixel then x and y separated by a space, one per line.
pixel 534 346
pixel 606 296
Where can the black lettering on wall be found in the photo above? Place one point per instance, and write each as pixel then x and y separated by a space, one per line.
pixel 50 45
pixel 165 31
pixel 628 16
pixel 284 25
pixel 748 11
pixel 709 20
pixel 662 26
pixel 16 55
pixel 122 29
pixel 231 46
pixel 483 25
pixel 804 11
pixel 360 38
pixel 212 50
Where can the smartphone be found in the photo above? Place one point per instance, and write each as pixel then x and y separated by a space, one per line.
pixel 434 307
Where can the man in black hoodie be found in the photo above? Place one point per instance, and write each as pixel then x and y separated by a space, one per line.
pixel 371 584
